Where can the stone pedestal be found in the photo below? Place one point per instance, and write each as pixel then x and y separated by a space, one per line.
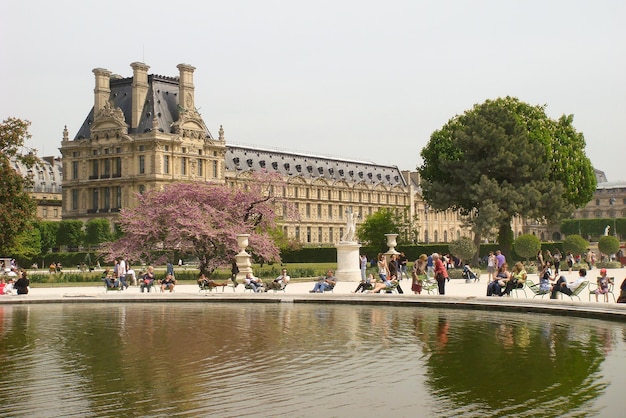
pixel 243 259
pixel 348 262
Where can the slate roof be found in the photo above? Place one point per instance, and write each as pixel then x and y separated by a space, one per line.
pixel 47 174
pixel 161 100
pixel 245 158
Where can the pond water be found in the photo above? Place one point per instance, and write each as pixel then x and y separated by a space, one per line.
pixel 234 360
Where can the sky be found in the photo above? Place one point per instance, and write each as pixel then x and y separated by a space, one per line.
pixel 356 79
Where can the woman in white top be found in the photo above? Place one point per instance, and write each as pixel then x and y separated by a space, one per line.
pixel 491 265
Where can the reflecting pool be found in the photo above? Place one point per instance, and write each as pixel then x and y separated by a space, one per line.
pixel 233 360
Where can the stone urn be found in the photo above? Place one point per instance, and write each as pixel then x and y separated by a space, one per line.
pixel 243 259
pixel 242 243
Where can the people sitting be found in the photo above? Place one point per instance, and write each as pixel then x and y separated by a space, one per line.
pixel 168 283
pixel 8 289
pixel 22 284
pixel 324 283
pixel 2 285
pixel 494 288
pixel 280 282
pixel 545 276
pixel 366 284
pixel 386 284
pixel 603 285
pixel 563 286
pixel 254 283
pixel 147 280
pixel 517 280
pixel 111 282
pixel 131 276
pixel 206 283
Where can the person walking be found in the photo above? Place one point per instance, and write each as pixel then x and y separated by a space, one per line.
pixel 441 273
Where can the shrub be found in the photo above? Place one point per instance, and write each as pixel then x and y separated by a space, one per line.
pixel 527 246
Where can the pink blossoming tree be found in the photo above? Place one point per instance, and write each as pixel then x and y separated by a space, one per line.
pixel 201 220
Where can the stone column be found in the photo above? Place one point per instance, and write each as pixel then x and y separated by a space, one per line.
pixel 242 258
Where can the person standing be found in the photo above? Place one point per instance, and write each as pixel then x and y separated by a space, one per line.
pixel 169 269
pixel 234 271
pixel 491 265
pixel 402 261
pixel 441 274
pixel 500 257
pixel 556 259
pixel 363 265
pixel 121 273
pixel 569 258
pixel 394 271
pixel 419 274
pixel 430 267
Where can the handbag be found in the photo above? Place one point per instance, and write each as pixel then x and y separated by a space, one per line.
pixel 439 276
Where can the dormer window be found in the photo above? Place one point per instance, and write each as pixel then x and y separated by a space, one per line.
pixel 236 160
pixel 262 163
pixel 249 162
pixel 309 168
pixel 320 170
pixel 331 171
pixel 275 165
pixel 298 168
pixel 341 172
pixel 286 165
pixel 379 176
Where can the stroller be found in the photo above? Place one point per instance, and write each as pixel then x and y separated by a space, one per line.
pixel 469 275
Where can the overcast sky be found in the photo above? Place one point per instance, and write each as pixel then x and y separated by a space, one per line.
pixel 359 79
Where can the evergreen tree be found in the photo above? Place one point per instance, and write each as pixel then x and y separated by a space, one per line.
pixel 502 159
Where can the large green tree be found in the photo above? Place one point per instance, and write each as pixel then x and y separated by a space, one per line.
pixel 48 231
pixel 97 231
pixel 70 233
pixel 17 208
pixel 504 158
pixel 372 231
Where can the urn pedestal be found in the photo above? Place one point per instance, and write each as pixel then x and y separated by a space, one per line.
pixel 348 262
pixel 243 259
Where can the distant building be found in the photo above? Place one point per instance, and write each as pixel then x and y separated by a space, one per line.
pixel 47 176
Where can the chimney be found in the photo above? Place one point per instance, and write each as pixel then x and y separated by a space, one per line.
pixel 102 92
pixel 186 98
pixel 140 91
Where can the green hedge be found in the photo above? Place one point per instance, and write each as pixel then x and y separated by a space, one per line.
pixel 67 260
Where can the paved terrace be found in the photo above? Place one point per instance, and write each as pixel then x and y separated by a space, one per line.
pixel 458 295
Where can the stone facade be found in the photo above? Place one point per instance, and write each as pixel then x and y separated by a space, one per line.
pixel 47 176
pixel 144 132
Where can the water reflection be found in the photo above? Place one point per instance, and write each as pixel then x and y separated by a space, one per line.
pixel 198 359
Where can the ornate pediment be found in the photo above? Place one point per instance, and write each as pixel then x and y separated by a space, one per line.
pixel 109 122
pixel 190 125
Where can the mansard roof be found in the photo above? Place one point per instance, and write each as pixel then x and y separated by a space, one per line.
pixel 161 101
pixel 47 174
pixel 294 164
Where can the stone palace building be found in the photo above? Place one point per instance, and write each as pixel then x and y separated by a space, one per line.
pixel 144 132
